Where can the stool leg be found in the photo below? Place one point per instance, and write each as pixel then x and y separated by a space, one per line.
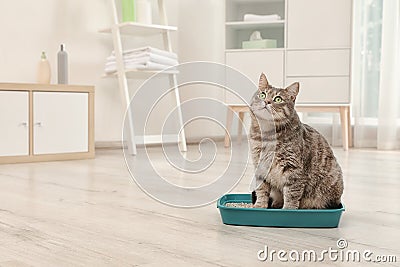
pixel 240 126
pixel 349 127
pixel 345 127
pixel 229 119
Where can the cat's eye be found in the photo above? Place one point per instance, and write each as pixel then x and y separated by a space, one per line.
pixel 262 95
pixel 278 99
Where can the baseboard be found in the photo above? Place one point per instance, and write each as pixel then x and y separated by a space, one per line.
pixel 196 140
pixel 140 141
pixel 108 144
pixel 152 140
pixel 156 139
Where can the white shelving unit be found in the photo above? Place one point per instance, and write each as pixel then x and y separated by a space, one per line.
pixel 137 73
pixel 238 30
pixel 313 48
pixel 135 29
pixel 46 122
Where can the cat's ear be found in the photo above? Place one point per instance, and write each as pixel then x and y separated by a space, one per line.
pixel 263 82
pixel 293 90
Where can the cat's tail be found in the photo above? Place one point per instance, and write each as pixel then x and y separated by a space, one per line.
pixel 334 205
pixel 253 197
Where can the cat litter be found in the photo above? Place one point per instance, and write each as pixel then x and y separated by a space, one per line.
pixel 237 209
pixel 238 205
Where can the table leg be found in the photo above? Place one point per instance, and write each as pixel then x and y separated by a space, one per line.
pixel 349 128
pixel 345 126
pixel 240 126
pixel 229 119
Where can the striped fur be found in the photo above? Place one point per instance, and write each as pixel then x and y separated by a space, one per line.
pixel 294 164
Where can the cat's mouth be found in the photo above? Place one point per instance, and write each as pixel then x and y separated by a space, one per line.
pixel 267 108
pixel 261 108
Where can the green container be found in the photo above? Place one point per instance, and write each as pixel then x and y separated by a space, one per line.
pixel 259 44
pixel 128 10
pixel 323 218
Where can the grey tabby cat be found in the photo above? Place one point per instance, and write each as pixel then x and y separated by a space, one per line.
pixel 297 169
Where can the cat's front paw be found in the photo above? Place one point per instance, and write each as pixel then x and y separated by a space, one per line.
pixel 290 207
pixel 261 204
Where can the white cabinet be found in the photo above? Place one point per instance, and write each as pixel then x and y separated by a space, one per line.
pixel 60 122
pixel 14 121
pixel 44 122
pixel 237 30
pixel 314 47
pixel 319 24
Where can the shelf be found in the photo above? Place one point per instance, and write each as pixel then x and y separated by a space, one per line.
pixel 137 73
pixel 134 28
pixel 243 25
pixel 320 48
pixel 254 50
pixel 256 1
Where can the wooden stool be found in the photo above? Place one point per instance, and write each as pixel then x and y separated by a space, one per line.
pixel 241 110
pixel 344 111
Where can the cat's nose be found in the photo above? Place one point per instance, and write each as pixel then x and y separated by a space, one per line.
pixel 268 102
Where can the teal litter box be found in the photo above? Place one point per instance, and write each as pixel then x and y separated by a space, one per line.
pixel 323 218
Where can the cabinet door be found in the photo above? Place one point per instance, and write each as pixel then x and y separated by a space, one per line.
pixel 322 90
pixel 14 121
pixel 60 122
pixel 319 23
pixel 318 63
pixel 252 64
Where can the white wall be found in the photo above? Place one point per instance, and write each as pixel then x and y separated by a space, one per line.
pixel 28 27
pixel 201 38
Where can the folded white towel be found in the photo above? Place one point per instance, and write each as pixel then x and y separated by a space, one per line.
pixel 145 57
pixel 109 69
pixel 253 17
pixel 149 49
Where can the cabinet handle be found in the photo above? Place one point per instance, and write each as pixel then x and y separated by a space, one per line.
pixel 24 124
pixel 39 124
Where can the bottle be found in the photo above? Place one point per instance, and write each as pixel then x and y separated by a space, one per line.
pixel 128 10
pixel 62 65
pixel 43 74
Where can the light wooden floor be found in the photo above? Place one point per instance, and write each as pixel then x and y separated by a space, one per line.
pixel 90 213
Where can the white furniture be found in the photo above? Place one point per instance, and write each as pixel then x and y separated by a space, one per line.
pixel 314 48
pixel 66 132
pixel 43 122
pixel 140 30
pixel 14 118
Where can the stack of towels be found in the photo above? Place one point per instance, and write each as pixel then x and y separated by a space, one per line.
pixel 253 17
pixel 145 58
